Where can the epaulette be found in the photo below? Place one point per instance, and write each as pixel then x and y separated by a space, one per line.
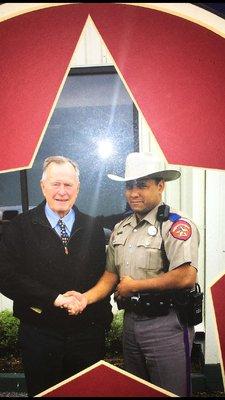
pixel 120 223
pixel 174 217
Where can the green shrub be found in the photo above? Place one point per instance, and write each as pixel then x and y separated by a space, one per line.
pixel 114 336
pixel 8 333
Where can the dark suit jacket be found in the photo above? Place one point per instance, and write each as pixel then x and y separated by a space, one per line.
pixel 34 268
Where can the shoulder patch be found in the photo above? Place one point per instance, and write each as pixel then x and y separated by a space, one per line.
pixel 181 230
pixel 174 217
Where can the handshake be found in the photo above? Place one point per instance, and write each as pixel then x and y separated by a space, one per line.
pixel 74 302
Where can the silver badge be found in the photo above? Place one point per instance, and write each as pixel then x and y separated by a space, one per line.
pixel 152 230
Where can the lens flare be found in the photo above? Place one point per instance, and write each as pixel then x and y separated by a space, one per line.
pixel 105 149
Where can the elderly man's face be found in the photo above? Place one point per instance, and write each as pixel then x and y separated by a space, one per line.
pixel 60 187
pixel 145 195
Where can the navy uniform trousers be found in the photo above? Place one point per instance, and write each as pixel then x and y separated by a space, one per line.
pixel 155 350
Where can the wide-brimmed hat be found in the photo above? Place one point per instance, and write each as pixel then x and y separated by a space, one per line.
pixel 140 165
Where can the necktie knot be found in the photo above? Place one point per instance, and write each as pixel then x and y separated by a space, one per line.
pixel 64 235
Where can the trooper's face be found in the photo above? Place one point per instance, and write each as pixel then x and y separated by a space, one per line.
pixel 60 187
pixel 144 194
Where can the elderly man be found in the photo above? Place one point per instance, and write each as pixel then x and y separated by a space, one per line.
pixel 45 252
pixel 152 262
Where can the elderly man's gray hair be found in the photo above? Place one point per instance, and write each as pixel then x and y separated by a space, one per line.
pixel 59 160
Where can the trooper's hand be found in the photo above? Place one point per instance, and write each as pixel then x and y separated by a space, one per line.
pixel 126 287
pixel 69 302
pixel 77 303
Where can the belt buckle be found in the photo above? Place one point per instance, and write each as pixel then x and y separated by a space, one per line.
pixel 135 300
pixel 136 297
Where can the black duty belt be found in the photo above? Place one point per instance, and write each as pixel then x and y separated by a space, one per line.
pixel 186 302
pixel 151 305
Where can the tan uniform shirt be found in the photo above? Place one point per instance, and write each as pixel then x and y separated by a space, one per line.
pixel 135 248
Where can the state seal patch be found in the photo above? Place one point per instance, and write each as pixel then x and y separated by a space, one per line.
pixel 181 230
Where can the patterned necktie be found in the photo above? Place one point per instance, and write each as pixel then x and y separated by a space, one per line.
pixel 64 235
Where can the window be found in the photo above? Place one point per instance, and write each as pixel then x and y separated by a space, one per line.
pixel 10 195
pixel 94 123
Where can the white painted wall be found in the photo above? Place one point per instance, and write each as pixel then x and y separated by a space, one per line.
pixel 215 251
pixel 199 193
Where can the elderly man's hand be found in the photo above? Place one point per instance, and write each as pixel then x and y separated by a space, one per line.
pixel 61 301
pixel 126 287
pixel 77 303
pixel 73 301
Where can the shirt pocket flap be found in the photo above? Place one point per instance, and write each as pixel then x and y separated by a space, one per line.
pixel 150 242
pixel 119 240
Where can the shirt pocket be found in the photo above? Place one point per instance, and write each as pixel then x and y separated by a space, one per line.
pixel 148 255
pixel 119 246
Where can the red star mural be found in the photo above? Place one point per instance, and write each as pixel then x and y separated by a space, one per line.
pixel 104 380
pixel 217 292
pixel 172 67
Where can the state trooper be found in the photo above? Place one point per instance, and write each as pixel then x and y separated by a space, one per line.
pixel 152 259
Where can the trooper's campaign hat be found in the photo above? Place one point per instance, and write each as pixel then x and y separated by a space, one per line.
pixel 143 164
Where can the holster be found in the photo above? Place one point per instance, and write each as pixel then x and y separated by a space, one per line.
pixel 188 305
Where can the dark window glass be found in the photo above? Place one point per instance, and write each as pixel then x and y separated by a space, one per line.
pixel 10 195
pixel 94 124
